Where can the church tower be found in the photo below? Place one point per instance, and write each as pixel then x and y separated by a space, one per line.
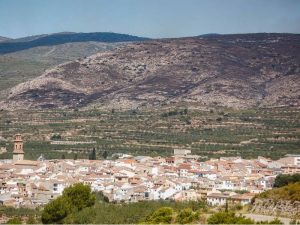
pixel 18 153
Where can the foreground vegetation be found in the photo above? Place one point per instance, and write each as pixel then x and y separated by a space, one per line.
pixel 19 215
pixel 78 205
pixel 210 132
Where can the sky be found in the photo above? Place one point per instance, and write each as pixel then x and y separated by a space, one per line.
pixel 148 18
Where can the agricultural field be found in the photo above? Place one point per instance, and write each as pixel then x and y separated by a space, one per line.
pixel 208 132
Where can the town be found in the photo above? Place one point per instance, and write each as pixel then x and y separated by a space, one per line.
pixel 181 177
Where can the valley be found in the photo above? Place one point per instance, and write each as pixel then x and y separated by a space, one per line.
pixel 208 132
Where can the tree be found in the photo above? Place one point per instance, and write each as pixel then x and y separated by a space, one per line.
pixel 75 156
pixel 105 154
pixel 185 111
pixel 92 155
pixel 219 119
pixel 74 199
pixel 101 197
pixel 79 196
pixel 226 206
pixel 56 137
pixel 56 210
pixel 285 179
pixel 63 156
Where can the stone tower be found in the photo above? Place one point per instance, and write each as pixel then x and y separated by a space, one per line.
pixel 18 153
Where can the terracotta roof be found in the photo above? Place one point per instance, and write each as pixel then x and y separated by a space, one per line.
pixel 27 163
pixel 128 161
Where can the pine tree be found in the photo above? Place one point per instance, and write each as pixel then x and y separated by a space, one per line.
pixel 105 154
pixel 92 156
pixel 226 206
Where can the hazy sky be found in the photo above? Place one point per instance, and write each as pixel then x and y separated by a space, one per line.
pixel 149 18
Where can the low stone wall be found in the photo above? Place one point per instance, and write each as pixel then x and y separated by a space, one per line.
pixel 276 208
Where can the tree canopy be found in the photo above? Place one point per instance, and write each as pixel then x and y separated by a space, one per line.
pixel 285 179
pixel 74 199
pixel 92 155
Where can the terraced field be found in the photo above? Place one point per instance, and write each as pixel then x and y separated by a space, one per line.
pixel 212 132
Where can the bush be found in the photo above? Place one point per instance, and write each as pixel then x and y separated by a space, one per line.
pixel 14 220
pixel 228 218
pixel 274 221
pixel 163 215
pixel 56 211
pixel 31 220
pixel 56 137
pixel 231 218
pixel 128 213
pixel 219 119
pixel 187 216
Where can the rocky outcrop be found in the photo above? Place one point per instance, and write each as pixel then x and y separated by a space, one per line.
pixel 281 208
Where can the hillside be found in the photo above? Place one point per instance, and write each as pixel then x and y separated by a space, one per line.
pixel 4 39
pixel 62 38
pixel 290 192
pixel 21 66
pixel 239 71
pixel 283 201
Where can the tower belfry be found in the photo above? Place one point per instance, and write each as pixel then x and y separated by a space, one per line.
pixel 18 153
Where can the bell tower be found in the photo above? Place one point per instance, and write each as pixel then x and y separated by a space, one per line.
pixel 18 153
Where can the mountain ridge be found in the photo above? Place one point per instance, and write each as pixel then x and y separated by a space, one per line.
pixel 19 44
pixel 237 71
pixel 2 39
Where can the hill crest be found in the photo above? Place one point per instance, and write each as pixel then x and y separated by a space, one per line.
pixel 62 38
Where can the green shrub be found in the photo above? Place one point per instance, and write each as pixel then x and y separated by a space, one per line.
pixel 228 218
pixel 14 220
pixel 163 215
pixel 187 216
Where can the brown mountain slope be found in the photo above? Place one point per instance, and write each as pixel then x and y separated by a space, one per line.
pixel 230 70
